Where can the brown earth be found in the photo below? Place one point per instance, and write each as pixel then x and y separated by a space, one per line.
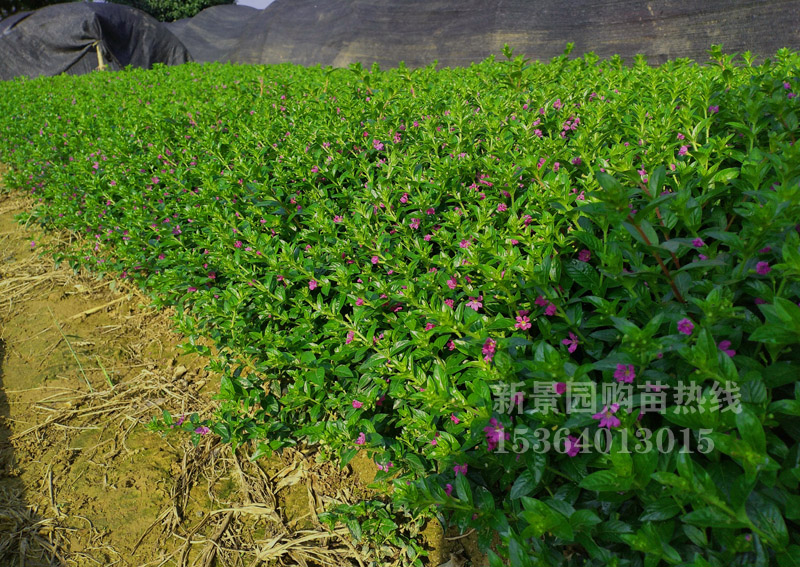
pixel 85 364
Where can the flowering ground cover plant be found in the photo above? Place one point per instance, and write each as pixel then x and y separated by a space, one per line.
pixel 556 303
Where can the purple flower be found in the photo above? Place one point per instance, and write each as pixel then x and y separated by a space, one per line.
pixel 725 346
pixel 460 469
pixel 494 432
pixel 350 336
pixel 683 151
pixel 502 207
pixel 523 323
pixel 550 310
pixel 685 326
pixel 625 373
pixel 202 430
pixel 572 446
pixel 713 109
pixel 698 243
pixel 464 243
pixel 584 255
pixel 448 489
pixel 607 417
pixel 571 342
pixel 312 285
pixel 414 223
pixel 560 387
pixel 357 404
pixel 488 350
pixel 475 302
pixel 763 268
pixel 361 439
pixel 454 419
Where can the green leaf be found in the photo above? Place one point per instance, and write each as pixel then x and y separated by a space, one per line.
pixel 751 430
pixel 524 485
pixel 583 273
pixel 710 517
pixel 606 481
pixel 790 557
pixel 766 515
pixel 661 509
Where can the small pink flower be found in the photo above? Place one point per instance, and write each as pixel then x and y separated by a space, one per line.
pixel 414 223
pixel 192 289
pixel 361 439
pixel 338 218
pixel 451 345
pixel 427 237
pixel 713 109
pixel 350 336
pixel 502 207
pixel 448 489
pixel 357 404
pixel 550 310
pixel 33 244
pixel 429 326
pixel 523 323
pixel 386 467
pixel 765 250
pixel 475 302
pixel 454 419
pixel 237 244
pixel 450 303
pixel 452 283
pixel 571 342
pixel 572 446
pixel 698 243
pixel 560 387
pixel 584 255
pixel 625 373
pixel 556 166
pixel 202 430
pixel 725 346
pixel 374 260
pixel 607 417
pixel 312 285
pixel 763 268
pixel 404 198
pixel 464 243
pixel 488 349
pixel 359 301
pixel 430 211
pixel 685 326
pixel 460 469
pixel 683 151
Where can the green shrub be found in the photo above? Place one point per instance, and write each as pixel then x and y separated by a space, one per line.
pixel 171 10
pixel 381 256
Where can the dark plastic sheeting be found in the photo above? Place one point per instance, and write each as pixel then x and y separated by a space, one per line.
pixel 212 34
pixel 340 32
pixel 62 39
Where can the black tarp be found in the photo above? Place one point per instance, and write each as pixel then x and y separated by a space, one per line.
pixel 63 38
pixel 340 32
pixel 214 32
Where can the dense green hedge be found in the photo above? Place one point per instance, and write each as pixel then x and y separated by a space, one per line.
pixel 381 256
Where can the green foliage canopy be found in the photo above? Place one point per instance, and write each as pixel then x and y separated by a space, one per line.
pixel 171 10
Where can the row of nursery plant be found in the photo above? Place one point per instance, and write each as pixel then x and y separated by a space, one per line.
pixel 556 303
